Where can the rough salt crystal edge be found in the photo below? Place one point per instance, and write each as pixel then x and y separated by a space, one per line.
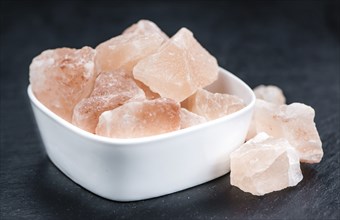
pixel 241 179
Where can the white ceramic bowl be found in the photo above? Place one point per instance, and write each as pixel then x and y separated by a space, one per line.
pixel 142 168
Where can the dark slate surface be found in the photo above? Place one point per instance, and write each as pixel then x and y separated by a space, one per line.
pixel 292 44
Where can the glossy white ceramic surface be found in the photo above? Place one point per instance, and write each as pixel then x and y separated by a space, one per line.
pixel 142 168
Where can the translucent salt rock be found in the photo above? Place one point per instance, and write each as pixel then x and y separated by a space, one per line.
pixel 213 105
pixel 178 68
pixel 140 119
pixel 270 93
pixel 145 27
pixel 265 164
pixel 61 77
pixel 124 51
pixel 111 90
pixel 189 119
pixel 294 122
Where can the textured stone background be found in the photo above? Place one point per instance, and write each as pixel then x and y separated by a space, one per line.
pixel 292 44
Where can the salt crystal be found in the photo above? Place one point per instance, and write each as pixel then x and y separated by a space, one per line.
pixel 295 122
pixel 60 78
pixel 143 27
pixel 265 164
pixel 189 119
pixel 124 51
pixel 270 93
pixel 140 119
pixel 213 105
pixel 178 68
pixel 111 90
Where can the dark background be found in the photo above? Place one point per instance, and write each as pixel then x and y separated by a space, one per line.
pixel 292 44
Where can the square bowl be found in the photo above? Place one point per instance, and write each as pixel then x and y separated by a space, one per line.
pixel 142 168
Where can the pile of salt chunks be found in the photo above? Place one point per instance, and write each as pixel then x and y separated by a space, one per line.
pixel 143 83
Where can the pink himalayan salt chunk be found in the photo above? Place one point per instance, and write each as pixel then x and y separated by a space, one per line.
pixel 60 78
pixel 265 164
pixel 270 93
pixel 145 27
pixel 178 68
pixel 140 119
pixel 124 51
pixel 294 122
pixel 213 105
pixel 189 119
pixel 111 90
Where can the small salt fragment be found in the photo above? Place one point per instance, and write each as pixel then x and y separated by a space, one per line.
pixel 124 51
pixel 178 68
pixel 270 93
pixel 140 119
pixel 60 78
pixel 111 90
pixel 265 164
pixel 189 119
pixel 143 27
pixel 295 122
pixel 213 105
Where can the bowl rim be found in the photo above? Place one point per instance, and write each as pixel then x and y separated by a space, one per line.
pixel 147 139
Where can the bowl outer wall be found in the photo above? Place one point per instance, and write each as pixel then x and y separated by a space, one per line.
pixel 142 168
